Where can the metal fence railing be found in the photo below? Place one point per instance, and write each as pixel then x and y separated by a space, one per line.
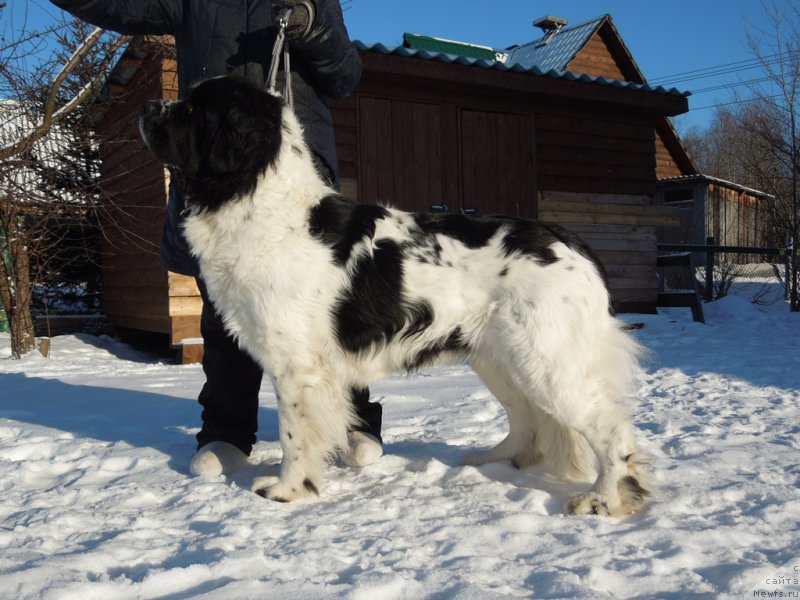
pixel 762 275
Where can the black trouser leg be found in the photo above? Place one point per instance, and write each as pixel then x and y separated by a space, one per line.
pixel 370 413
pixel 230 395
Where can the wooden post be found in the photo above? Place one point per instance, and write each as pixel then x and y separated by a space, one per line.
pixel 787 263
pixel 709 291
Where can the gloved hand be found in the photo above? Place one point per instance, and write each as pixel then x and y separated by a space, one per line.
pixel 300 19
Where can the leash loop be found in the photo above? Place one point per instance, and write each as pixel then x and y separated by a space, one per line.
pixel 281 45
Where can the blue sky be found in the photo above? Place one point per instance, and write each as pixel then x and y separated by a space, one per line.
pixel 665 37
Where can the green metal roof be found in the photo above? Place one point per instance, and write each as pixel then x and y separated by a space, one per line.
pixel 441 46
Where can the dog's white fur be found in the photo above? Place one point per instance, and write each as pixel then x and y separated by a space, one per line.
pixel 543 340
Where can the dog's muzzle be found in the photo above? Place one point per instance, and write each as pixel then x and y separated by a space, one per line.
pixel 153 109
pixel 152 118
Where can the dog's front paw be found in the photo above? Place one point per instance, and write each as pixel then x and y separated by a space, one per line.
pixel 273 488
pixel 590 503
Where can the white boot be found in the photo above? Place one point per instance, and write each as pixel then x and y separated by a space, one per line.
pixel 365 449
pixel 217 458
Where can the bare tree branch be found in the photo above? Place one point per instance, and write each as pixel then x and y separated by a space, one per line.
pixel 49 166
pixel 52 115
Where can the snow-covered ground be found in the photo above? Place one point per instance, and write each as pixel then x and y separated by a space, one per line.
pixel 96 500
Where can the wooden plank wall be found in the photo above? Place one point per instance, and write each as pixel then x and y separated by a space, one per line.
pixel 620 228
pixel 595 151
pixel 732 217
pixel 665 163
pixel 138 293
pixel 185 308
pixel 604 55
pixel 134 284
pixel 345 114
pixel 596 59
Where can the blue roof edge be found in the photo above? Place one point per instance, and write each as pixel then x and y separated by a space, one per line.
pixel 516 68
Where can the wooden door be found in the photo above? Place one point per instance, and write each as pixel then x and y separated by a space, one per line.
pixel 498 163
pixel 400 153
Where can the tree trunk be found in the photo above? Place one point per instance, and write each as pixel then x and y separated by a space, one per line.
pixel 15 281
pixel 23 338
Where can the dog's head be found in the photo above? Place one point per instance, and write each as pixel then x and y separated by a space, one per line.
pixel 217 141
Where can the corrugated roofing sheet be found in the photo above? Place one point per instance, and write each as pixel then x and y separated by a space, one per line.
pixel 516 67
pixel 709 179
pixel 432 44
pixel 559 51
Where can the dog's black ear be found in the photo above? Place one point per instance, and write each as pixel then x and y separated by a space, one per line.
pixel 247 137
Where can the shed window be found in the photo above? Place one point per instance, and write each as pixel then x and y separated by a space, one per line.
pixel 679 195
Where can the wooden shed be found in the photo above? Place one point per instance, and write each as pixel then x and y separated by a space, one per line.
pixel 581 142
pixel 712 207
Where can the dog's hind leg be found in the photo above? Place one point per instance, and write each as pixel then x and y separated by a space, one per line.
pixel 520 443
pixel 314 417
pixel 576 421
pixel 577 369
pixel 610 368
pixel 621 486
pixel 587 384
pixel 534 437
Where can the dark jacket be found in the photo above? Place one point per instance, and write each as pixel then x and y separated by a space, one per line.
pixel 218 37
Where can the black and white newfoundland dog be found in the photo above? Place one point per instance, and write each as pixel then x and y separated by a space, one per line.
pixel 328 295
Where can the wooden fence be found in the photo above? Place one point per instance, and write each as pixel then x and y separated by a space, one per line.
pixel 709 251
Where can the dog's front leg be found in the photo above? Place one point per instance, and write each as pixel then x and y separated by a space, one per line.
pixel 313 418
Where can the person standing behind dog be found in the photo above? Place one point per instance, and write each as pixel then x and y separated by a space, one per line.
pixel 236 37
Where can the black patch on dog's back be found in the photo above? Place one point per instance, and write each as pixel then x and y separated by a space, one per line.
pixel 534 238
pixel 471 231
pixel 340 224
pixel 373 310
pixel 531 239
